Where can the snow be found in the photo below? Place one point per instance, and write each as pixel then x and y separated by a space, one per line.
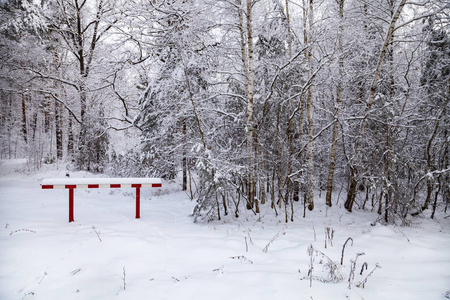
pixel 100 181
pixel 108 254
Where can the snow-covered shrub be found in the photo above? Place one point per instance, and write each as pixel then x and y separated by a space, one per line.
pixel 91 154
pixel 131 164
pixel 212 185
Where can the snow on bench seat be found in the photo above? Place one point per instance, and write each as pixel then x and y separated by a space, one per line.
pixel 66 183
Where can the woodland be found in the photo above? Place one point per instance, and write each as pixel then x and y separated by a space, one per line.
pixel 243 103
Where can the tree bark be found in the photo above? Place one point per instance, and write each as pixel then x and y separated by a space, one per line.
pixel 309 114
pixel 290 129
pixel 250 87
pixel 58 131
pixel 351 194
pixel 70 139
pixel 58 115
pixel 288 20
pixel 338 106
pixel 184 160
pixel 24 119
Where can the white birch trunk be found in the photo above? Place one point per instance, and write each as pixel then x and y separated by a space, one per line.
pixel 250 87
pixel 309 116
pixel 338 106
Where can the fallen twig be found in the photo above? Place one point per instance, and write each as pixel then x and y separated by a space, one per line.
pixel 97 232
pixel 242 258
pixel 32 231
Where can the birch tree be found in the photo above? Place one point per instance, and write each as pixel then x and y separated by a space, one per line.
pixel 309 111
pixel 351 194
pixel 339 88
pixel 250 126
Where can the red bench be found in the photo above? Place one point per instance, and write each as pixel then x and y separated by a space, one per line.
pixel 95 183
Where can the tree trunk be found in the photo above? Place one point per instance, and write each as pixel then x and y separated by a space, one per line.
pixel 290 129
pixel 250 87
pixel 428 152
pixel 288 20
pixel 296 196
pixel 58 131
pixel 58 115
pixel 436 197
pixel 24 119
pixel 390 145
pixel 351 194
pixel 245 56
pixel 275 157
pixel 309 114
pixel 70 139
pixel 445 162
pixel 85 57
pixel 338 106
pixel 184 161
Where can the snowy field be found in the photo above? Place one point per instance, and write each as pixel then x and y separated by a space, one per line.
pixel 108 254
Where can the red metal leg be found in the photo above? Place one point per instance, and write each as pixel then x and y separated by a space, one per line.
pixel 71 205
pixel 138 202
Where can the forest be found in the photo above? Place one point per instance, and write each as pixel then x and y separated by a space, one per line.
pixel 244 103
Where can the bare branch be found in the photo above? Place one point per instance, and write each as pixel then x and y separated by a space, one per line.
pixel 54 96
pixel 41 75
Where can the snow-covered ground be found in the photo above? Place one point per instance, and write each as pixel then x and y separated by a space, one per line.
pixel 107 253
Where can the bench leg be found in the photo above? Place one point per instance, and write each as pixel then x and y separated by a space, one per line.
pixel 138 202
pixel 71 205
